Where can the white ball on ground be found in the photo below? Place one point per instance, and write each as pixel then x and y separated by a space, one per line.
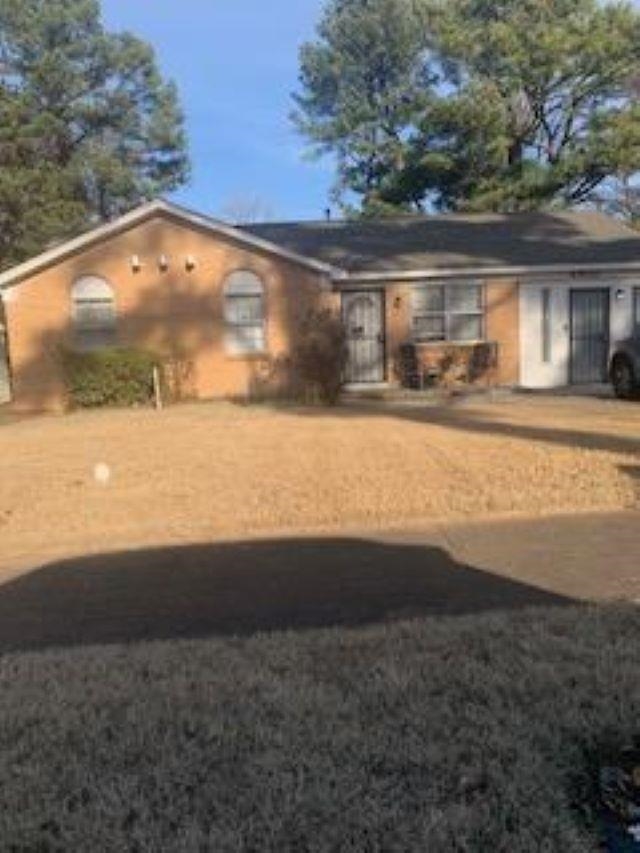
pixel 102 474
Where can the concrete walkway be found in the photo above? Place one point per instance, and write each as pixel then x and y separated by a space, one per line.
pixel 594 557
pixel 346 579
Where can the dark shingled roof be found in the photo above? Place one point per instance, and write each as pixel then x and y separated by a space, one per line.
pixel 457 241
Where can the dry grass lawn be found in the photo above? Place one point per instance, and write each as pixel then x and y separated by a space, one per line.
pixel 478 733
pixel 475 734
pixel 206 472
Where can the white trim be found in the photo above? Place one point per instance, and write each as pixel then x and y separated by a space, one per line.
pixel 490 272
pixel 357 387
pixel 148 211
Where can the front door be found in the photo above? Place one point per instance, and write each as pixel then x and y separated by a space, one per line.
pixel 363 316
pixel 590 326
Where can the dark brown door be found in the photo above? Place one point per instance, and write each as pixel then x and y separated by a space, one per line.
pixel 590 325
pixel 363 316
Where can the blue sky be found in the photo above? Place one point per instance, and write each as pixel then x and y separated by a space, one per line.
pixel 236 64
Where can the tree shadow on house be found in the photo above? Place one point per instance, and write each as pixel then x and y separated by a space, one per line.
pixel 245 588
pixel 178 314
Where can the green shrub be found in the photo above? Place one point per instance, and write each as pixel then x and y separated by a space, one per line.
pixel 109 377
pixel 319 355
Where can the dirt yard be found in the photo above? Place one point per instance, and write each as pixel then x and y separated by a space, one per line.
pixel 215 471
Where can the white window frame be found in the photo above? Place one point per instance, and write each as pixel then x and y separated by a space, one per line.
pixel 447 313
pixel 244 285
pixel 546 325
pixel 93 313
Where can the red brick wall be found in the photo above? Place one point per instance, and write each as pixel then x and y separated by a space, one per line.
pixel 179 312
pixel 176 312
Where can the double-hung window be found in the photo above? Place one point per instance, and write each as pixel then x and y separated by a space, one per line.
pixel 448 312
pixel 93 313
pixel 244 313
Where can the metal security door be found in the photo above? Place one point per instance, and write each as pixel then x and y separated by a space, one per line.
pixel 589 335
pixel 363 315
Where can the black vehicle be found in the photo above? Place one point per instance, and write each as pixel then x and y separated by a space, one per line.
pixel 624 369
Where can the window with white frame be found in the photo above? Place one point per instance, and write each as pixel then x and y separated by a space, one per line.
pixel 93 313
pixel 244 314
pixel 448 312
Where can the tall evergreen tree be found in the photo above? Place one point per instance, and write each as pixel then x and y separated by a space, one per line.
pixel 88 127
pixel 361 84
pixel 534 103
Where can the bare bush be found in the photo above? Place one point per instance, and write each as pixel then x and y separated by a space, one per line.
pixel 319 356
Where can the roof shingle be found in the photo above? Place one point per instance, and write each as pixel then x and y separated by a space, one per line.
pixel 459 241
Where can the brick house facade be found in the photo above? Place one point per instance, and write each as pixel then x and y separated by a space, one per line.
pixel 226 303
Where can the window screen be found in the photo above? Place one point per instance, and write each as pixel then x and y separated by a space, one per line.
pixel 93 313
pixel 448 312
pixel 244 314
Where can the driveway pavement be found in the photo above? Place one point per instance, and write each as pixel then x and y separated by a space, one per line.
pixel 321 581
pixel 593 556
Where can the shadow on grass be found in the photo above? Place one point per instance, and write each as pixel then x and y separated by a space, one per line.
pixel 633 472
pixel 457 416
pixel 8 417
pixel 245 588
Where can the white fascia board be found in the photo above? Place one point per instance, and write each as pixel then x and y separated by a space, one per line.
pixel 65 250
pixel 356 278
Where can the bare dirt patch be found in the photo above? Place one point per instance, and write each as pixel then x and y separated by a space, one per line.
pixel 207 472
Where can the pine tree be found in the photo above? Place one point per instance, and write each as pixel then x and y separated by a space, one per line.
pixel 88 127
pixel 516 104
pixel 361 83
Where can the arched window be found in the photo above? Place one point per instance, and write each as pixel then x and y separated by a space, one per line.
pixel 93 312
pixel 244 313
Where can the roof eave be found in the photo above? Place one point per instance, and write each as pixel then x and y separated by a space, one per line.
pixel 471 271
pixel 21 272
